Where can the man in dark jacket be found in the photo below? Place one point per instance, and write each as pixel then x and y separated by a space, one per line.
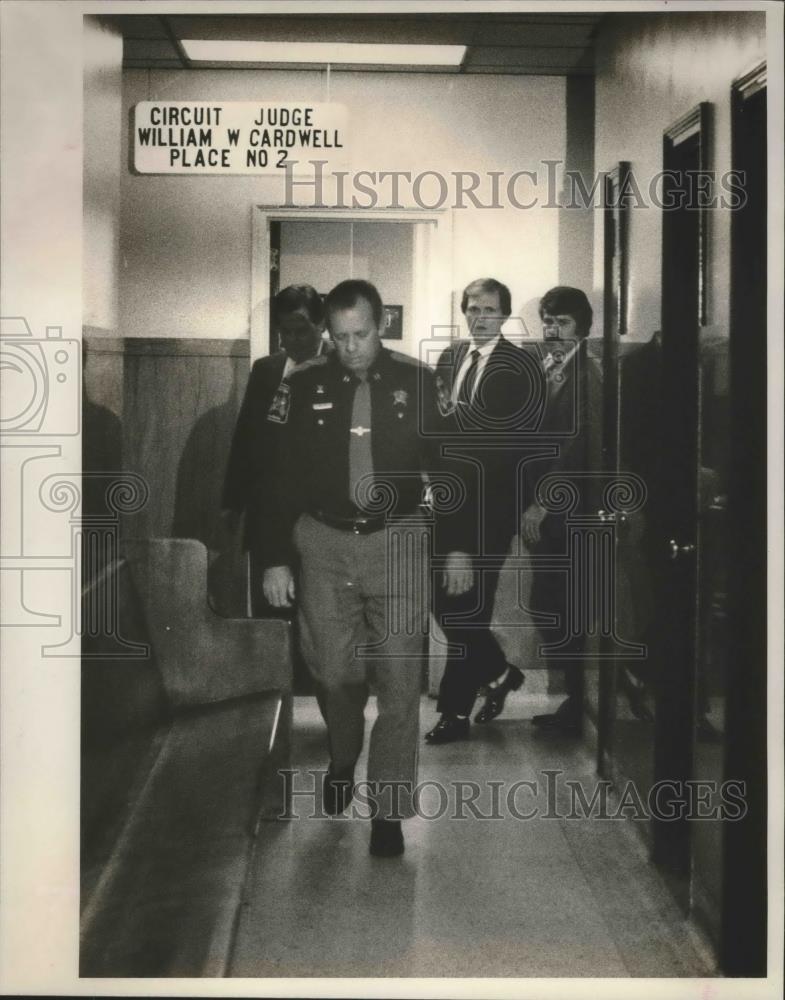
pixel 497 391
pixel 573 421
pixel 298 320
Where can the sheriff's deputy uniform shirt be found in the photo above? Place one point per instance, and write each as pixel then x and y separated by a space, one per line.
pixel 317 410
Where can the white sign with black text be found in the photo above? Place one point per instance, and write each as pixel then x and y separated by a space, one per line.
pixel 237 137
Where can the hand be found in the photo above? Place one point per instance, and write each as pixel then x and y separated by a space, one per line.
pixel 457 575
pixel 532 518
pixel 278 586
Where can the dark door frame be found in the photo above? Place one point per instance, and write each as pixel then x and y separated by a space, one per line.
pixel 743 944
pixel 615 282
pixel 684 311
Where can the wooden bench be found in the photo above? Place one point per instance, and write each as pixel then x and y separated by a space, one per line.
pixel 180 753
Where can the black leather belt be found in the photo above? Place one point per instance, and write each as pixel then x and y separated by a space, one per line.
pixel 363 524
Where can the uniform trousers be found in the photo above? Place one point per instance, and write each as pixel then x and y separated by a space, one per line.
pixel 363 603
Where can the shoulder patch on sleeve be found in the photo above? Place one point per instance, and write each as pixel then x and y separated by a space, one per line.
pixel 279 407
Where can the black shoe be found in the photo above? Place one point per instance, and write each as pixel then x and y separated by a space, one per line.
pixel 386 838
pixel 566 718
pixel 448 729
pixel 496 696
pixel 337 791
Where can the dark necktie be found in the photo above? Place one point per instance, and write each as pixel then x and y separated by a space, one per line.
pixel 360 456
pixel 466 390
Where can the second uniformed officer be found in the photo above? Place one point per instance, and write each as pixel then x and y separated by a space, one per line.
pixel 354 464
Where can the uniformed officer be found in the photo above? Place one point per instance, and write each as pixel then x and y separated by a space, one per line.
pixel 361 437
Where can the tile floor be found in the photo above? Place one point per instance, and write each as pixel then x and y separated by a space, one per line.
pixel 469 898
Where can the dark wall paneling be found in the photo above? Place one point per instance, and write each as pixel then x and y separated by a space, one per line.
pixel 172 403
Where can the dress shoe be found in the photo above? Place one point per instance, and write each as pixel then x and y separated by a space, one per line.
pixel 448 729
pixel 566 718
pixel 386 838
pixel 337 791
pixel 495 696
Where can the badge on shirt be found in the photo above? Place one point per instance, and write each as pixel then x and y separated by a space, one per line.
pixel 279 408
pixel 443 397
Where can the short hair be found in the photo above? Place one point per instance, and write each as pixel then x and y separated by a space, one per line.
pixel 295 297
pixel 566 301
pixel 488 285
pixel 346 295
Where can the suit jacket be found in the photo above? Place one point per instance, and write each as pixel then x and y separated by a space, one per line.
pixel 493 438
pixel 573 422
pixel 253 451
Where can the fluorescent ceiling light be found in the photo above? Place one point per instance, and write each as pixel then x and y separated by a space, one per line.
pixel 337 53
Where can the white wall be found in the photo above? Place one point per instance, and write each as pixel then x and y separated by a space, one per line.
pixel 651 70
pixel 186 240
pixel 103 56
pixel 41 280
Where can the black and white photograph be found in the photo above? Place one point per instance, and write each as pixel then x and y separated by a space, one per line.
pixel 391 445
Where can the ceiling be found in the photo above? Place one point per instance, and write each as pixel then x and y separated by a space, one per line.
pixel 534 44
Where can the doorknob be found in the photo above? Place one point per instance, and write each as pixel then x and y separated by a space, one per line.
pixel 677 550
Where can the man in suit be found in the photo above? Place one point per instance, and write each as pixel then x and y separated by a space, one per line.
pixel 573 421
pixel 298 321
pixel 497 392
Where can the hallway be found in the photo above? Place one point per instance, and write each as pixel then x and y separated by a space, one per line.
pixel 476 898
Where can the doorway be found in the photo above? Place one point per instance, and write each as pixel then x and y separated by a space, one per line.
pixel 406 254
pixel 323 253
pixel 675 488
